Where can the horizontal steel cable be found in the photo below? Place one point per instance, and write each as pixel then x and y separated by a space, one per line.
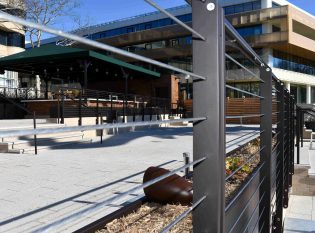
pixel 13 133
pixel 243 43
pixel 183 215
pixel 175 19
pixel 245 92
pixel 244 135
pixel 244 116
pixel 94 44
pixel 258 132
pixel 246 162
pixel 244 67
pixel 246 206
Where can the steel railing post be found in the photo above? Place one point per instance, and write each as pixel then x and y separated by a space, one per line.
pixel 80 108
pixel 35 137
pixel 280 155
pixel 58 108
pixel 302 127
pixel 134 110
pixel 286 152
pixel 266 146
pixel 97 108
pixel 291 153
pixel 143 109
pixel 111 108
pixel 209 101
pixel 102 122
pixel 62 107
pixel 186 156
pixel 297 131
pixel 292 134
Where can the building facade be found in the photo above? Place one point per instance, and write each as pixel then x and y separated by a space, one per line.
pixel 278 31
pixel 12 40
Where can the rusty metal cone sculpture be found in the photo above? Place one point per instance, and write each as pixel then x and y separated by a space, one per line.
pixel 172 190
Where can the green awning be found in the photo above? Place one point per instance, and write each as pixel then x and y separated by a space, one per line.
pixel 36 60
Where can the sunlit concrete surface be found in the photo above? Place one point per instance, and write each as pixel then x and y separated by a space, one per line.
pixel 39 190
pixel 300 215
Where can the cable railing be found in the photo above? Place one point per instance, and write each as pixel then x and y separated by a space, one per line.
pixel 215 207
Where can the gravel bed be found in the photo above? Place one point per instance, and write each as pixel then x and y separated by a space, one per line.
pixel 152 218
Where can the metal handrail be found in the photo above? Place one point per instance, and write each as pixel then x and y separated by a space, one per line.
pixel 29 112
pixel 42 131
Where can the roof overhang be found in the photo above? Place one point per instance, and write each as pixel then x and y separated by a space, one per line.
pixel 57 60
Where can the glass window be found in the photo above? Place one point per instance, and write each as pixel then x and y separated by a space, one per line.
pixel 12 39
pixel 275 4
pixel 3 38
pixel 256 5
pixel 239 8
pixel 229 10
pixel 294 63
pixel 248 6
pixel 313 94
pixel 130 29
pixel 275 28
pixel 250 31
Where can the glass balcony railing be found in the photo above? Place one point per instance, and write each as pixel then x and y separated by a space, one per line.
pixel 274 37
pixel 258 16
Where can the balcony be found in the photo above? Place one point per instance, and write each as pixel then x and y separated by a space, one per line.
pixel 268 38
pixel 258 16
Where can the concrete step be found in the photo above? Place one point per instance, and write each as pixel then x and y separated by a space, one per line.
pixel 39 126
pixel 20 122
pixel 20 146
pixel 47 147
pixel 17 144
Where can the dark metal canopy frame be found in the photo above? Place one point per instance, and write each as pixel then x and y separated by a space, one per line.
pixel 257 205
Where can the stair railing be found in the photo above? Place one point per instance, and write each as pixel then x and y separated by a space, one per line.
pixel 2 96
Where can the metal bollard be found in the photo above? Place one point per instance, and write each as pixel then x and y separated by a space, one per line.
pixel 186 156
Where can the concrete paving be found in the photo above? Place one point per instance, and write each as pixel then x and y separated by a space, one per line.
pixel 37 191
pixel 300 215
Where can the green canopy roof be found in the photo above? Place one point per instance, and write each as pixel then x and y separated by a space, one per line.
pixel 48 56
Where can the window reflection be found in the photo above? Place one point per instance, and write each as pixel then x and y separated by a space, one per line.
pixel 12 39
pixel 294 63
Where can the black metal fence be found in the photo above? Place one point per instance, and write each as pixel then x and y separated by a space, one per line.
pixel 21 93
pixel 262 158
pixel 256 205
pixel 305 121
pixel 114 107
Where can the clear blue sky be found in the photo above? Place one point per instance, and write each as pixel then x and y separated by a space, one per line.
pixel 307 5
pixel 101 11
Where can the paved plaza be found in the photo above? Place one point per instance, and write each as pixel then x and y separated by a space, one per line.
pixel 38 191
pixel 300 215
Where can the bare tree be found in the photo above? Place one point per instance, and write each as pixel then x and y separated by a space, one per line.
pixel 44 12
